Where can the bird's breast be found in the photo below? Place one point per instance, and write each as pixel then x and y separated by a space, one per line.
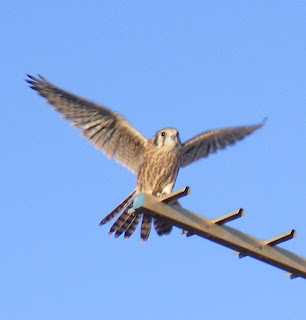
pixel 158 171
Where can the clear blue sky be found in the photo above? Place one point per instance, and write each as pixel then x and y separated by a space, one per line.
pixel 193 65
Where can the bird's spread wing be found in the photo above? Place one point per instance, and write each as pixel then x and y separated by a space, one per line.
pixel 210 141
pixel 107 130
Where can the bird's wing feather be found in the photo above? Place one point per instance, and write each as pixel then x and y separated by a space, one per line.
pixel 208 142
pixel 107 130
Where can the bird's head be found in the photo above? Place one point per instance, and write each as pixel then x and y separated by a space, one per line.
pixel 167 138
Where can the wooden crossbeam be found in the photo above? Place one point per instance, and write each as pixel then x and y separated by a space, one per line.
pixel 215 230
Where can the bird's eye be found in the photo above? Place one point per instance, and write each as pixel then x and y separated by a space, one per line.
pixel 163 134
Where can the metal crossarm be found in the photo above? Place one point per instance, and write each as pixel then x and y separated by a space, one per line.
pixel 228 217
pixel 215 230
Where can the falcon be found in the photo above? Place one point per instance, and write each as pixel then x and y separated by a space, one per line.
pixel 156 162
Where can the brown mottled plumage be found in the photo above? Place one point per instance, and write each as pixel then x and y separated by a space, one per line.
pixel 156 162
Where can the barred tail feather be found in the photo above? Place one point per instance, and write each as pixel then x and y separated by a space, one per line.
pixel 145 227
pixel 122 206
pixel 133 225
pixel 119 222
pixel 162 227
pixel 124 226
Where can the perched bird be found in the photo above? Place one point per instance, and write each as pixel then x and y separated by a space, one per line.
pixel 156 162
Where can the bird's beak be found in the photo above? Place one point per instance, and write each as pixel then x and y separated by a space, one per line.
pixel 173 137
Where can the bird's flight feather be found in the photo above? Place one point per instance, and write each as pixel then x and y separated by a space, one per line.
pixel 107 130
pixel 208 142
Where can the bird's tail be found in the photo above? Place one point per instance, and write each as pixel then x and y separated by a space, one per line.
pixel 128 221
pixel 122 206
pixel 162 227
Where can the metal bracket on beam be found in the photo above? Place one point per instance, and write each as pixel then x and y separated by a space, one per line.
pixel 281 238
pixel 274 242
pixel 228 217
pixel 175 195
pixel 291 275
pixel 222 219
